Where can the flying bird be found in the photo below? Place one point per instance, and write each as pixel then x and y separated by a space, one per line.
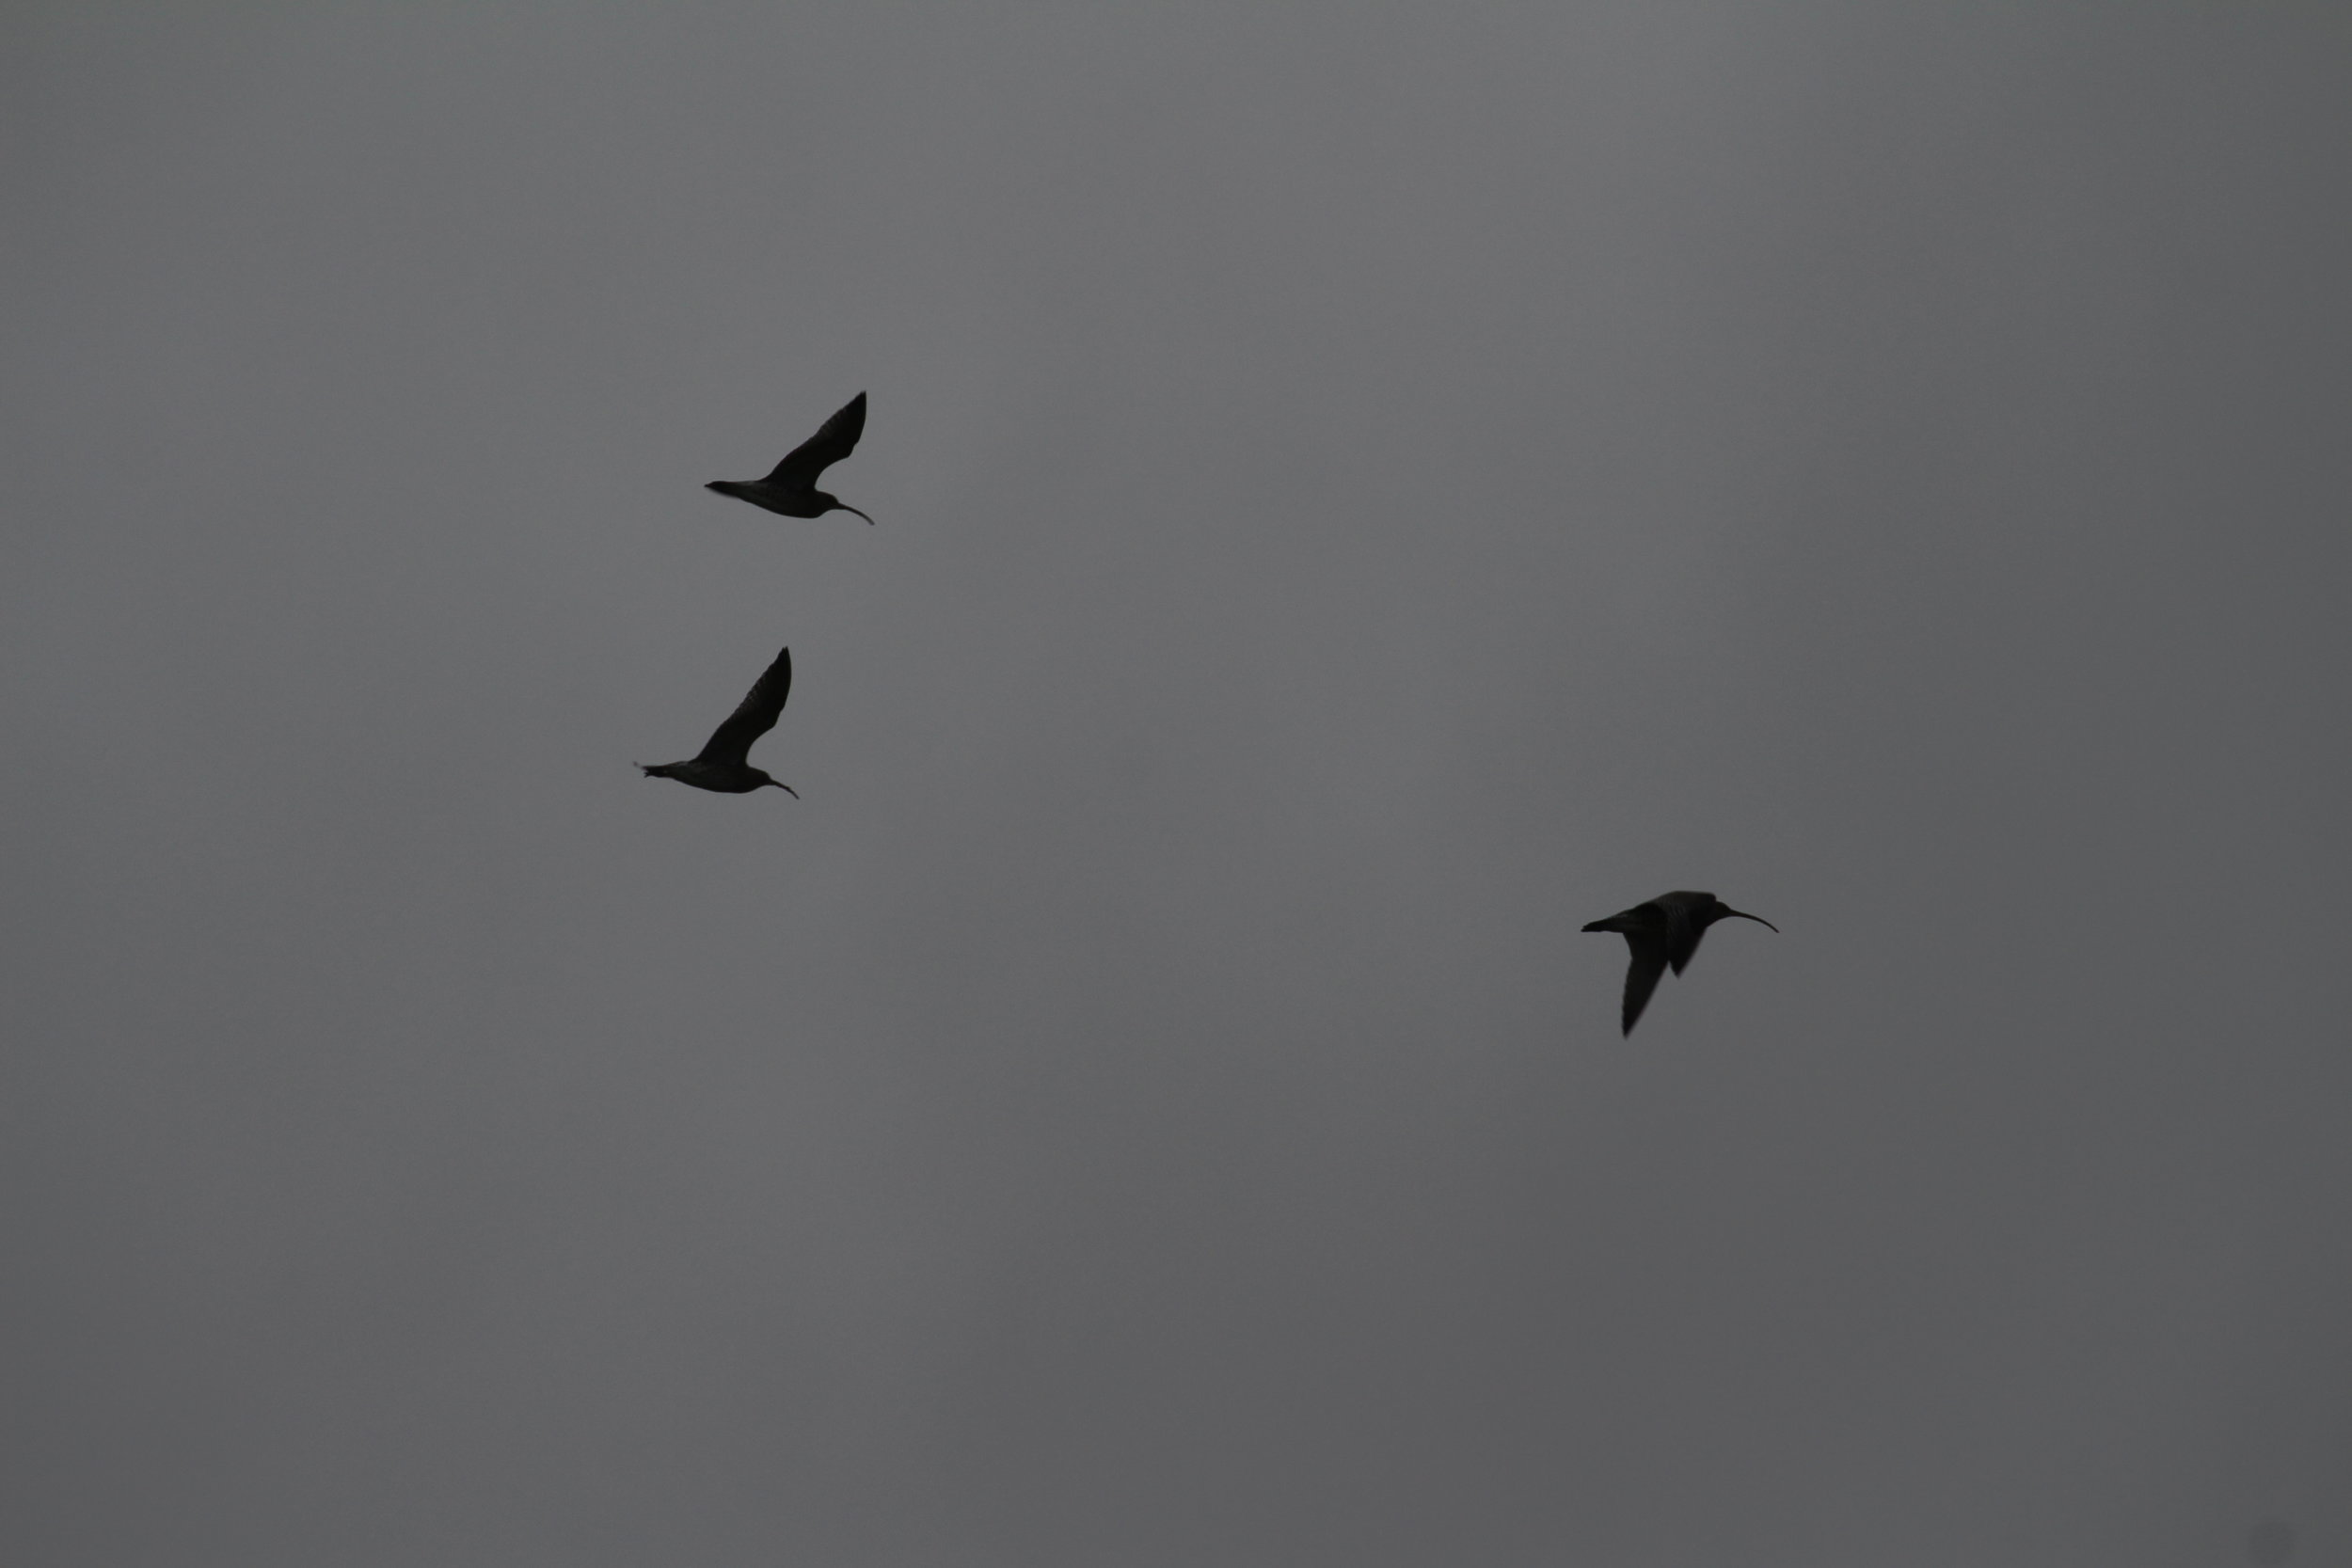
pixel 790 488
pixel 1664 931
pixel 720 764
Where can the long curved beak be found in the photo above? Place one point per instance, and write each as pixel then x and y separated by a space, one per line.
pixel 786 788
pixel 1757 918
pixel 869 521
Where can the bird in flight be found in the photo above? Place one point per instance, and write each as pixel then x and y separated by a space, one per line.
pixel 790 488
pixel 720 764
pixel 1664 931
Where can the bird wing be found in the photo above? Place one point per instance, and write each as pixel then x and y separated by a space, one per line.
pixel 754 716
pixel 1641 976
pixel 1682 940
pixel 834 440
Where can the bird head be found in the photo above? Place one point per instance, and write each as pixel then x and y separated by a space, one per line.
pixel 1724 911
pixel 835 503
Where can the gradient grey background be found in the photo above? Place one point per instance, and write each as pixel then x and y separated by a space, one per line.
pixel 1363 490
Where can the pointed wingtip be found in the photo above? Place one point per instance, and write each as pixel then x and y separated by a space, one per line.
pixel 1641 976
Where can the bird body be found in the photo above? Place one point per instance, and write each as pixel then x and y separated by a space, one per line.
pixel 790 488
pixel 720 766
pixel 1664 932
pixel 724 778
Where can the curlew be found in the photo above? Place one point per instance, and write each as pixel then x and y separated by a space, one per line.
pixel 1664 931
pixel 720 764
pixel 790 488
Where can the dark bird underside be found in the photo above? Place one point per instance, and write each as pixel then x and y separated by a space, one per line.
pixel 1664 933
pixel 790 488
pixel 720 764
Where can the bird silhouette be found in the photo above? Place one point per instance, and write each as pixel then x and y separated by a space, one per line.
pixel 1666 930
pixel 720 764
pixel 790 488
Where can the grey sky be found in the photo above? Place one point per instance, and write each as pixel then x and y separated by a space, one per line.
pixel 1362 491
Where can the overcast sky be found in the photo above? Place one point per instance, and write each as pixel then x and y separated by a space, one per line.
pixel 1363 490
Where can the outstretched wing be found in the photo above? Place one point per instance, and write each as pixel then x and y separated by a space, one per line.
pixel 754 716
pixel 1641 977
pixel 1682 940
pixel 834 440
